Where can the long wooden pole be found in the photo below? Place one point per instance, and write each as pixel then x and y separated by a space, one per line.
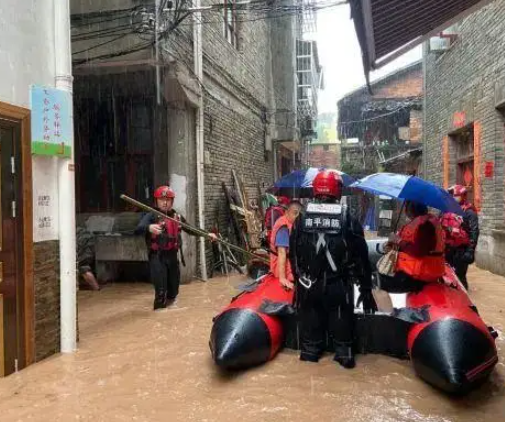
pixel 189 227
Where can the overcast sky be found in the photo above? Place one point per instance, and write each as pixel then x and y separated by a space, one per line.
pixel 340 56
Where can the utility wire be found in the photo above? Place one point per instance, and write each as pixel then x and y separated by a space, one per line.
pixel 101 44
pixel 89 20
pixel 375 117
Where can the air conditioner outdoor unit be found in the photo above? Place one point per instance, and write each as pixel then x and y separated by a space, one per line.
pixel 438 44
pixel 445 39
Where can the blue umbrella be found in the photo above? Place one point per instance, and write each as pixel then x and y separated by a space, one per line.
pixel 409 188
pixel 299 182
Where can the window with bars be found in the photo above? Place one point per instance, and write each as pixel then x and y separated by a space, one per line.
pixel 230 27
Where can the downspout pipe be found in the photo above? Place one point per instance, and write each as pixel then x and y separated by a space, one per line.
pixel 66 186
pixel 198 59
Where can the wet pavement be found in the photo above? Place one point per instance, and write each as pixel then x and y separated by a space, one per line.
pixel 137 365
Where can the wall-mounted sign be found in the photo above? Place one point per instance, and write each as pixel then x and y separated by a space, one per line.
pixel 51 121
pixel 45 199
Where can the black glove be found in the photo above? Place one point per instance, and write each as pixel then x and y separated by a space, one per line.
pixel 366 297
pixel 468 257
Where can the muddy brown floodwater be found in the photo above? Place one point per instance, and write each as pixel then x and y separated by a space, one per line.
pixel 137 365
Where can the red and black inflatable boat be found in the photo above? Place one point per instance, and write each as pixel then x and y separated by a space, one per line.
pixel 454 350
pixel 245 333
pixel 446 340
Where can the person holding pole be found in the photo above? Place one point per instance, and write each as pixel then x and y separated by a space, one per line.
pixel 164 242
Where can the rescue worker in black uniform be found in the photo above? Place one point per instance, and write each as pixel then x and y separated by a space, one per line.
pixel 164 241
pixel 328 252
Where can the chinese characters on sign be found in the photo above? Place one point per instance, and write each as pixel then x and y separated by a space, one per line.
pixel 322 223
pixel 44 222
pixel 43 200
pixel 51 122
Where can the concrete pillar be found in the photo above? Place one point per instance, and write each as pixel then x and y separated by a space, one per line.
pixel 181 167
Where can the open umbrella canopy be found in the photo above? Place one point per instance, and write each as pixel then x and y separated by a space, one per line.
pixel 409 188
pixel 298 183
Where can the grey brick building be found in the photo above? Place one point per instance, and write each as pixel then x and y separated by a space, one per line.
pixel 464 120
pixel 137 100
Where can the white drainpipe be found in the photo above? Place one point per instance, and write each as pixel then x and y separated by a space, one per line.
pixel 66 186
pixel 198 58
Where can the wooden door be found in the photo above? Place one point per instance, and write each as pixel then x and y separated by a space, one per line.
pixel 10 260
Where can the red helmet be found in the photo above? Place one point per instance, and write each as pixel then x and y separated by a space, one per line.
pixel 327 183
pixel 164 192
pixel 283 200
pixel 458 190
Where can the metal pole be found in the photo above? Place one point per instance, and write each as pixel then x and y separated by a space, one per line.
pixel 189 227
pixel 66 187
pixel 157 50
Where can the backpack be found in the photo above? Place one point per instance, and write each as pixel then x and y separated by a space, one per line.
pixel 455 234
pixel 272 214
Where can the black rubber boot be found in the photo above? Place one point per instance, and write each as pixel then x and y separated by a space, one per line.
pixel 309 357
pixel 345 357
pixel 160 300
pixel 347 363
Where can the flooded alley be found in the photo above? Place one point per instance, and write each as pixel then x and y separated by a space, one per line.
pixel 137 365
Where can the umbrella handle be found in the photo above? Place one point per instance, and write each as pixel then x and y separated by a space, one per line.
pixel 399 216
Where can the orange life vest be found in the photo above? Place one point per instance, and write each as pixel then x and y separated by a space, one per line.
pixel 428 268
pixel 274 268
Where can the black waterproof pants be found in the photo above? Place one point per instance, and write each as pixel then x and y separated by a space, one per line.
pixel 165 276
pixel 325 311
pixel 455 258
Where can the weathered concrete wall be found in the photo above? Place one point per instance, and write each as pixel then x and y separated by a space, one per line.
pixel 181 165
pixel 27 58
pixel 47 299
pixel 26 49
pixel 462 87
pixel 283 66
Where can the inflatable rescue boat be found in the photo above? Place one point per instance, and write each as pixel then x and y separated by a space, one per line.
pixel 438 328
pixel 250 330
pixel 454 349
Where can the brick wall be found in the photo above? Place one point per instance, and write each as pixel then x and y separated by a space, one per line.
pixel 416 125
pixel 47 299
pixel 405 86
pixel 324 156
pixel 239 101
pixel 462 85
